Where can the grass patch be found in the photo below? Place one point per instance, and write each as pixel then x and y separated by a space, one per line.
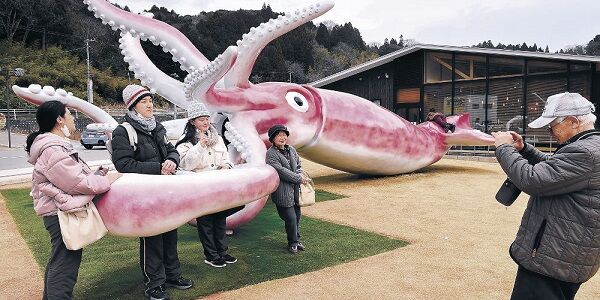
pixel 110 267
pixel 321 195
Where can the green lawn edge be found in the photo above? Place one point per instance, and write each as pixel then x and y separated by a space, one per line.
pixel 110 267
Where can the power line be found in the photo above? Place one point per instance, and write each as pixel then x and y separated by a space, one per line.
pixel 37 55
pixel 56 33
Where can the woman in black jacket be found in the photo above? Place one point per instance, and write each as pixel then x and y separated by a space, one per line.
pixel 286 162
pixel 153 154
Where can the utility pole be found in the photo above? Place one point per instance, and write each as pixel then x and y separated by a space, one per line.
pixel 44 39
pixel 90 83
pixel 6 74
pixel 290 80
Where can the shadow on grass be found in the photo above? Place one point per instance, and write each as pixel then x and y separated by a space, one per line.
pixel 435 169
pixel 110 267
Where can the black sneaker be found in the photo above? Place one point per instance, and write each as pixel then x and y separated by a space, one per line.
pixel 229 259
pixel 293 249
pixel 217 263
pixel 179 283
pixel 301 247
pixel 157 293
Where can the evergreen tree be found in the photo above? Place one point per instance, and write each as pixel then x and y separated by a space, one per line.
pixel 593 46
pixel 323 36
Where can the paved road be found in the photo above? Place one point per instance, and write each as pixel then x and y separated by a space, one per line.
pixel 16 158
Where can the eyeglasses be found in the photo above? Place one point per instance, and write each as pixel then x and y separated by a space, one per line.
pixel 560 120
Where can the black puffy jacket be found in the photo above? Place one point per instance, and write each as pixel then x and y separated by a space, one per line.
pixel 152 149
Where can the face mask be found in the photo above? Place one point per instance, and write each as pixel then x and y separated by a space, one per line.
pixel 65 130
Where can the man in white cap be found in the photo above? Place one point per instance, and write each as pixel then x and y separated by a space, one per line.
pixel 557 247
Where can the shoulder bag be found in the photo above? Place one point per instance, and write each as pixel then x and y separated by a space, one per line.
pixel 81 228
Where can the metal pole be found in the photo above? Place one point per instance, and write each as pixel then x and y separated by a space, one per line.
pixel 6 92
pixel 90 84
pixel 8 130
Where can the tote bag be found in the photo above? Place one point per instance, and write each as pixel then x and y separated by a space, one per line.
pixel 81 228
pixel 307 193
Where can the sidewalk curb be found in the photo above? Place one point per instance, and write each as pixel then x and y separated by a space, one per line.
pixel 23 175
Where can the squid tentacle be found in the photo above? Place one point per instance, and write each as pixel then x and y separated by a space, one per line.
pixel 258 37
pixel 200 81
pixel 37 95
pixel 159 33
pixel 148 73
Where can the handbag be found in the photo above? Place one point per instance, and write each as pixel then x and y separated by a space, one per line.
pixel 307 193
pixel 81 228
pixel 508 193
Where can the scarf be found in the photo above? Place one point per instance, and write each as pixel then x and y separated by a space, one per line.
pixel 147 124
pixel 213 136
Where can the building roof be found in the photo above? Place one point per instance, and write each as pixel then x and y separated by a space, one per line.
pixel 472 50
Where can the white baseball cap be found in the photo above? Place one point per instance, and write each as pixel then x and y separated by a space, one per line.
pixel 563 105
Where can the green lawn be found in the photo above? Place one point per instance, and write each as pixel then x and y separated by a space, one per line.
pixel 321 195
pixel 110 267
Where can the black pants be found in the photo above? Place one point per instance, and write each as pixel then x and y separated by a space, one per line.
pixel 291 217
pixel 158 258
pixel 63 267
pixel 211 231
pixel 530 286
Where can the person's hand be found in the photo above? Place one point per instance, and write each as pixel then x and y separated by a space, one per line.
pixel 203 140
pixel 223 166
pixel 168 167
pixel 112 177
pixel 517 140
pixel 102 171
pixel 305 179
pixel 502 137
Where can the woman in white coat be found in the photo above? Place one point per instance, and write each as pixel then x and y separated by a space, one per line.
pixel 203 149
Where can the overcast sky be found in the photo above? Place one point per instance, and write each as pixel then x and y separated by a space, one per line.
pixel 444 22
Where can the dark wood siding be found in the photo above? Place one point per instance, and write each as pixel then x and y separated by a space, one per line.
pixel 372 85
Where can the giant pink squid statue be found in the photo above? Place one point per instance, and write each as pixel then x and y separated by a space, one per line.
pixel 332 128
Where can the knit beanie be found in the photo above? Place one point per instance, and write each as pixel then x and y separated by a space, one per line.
pixel 133 93
pixel 197 109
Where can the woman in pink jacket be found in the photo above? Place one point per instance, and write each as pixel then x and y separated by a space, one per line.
pixel 61 180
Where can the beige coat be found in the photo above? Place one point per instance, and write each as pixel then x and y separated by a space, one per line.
pixel 198 158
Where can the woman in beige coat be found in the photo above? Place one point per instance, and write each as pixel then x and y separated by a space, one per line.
pixel 202 149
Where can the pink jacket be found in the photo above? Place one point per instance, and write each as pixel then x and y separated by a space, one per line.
pixel 60 179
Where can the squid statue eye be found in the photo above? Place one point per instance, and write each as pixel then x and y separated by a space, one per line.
pixel 297 101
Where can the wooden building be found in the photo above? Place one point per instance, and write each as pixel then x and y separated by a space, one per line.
pixel 501 89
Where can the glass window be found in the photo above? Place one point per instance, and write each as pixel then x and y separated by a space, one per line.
pixel 412 95
pixel 500 66
pixel 580 83
pixel 538 90
pixel 545 67
pixel 470 97
pixel 439 97
pixel 469 67
pixel 438 67
pixel 580 67
pixel 506 98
